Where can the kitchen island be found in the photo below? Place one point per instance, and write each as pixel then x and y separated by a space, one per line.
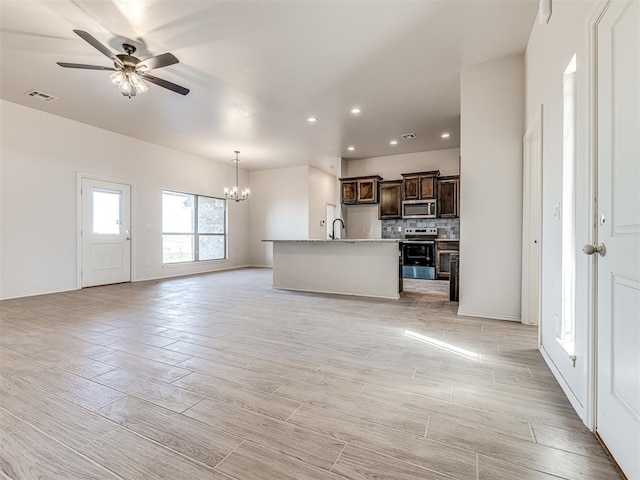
pixel 367 267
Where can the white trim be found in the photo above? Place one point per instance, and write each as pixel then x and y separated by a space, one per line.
pixel 533 137
pixel 49 292
pixel 195 262
pixel 346 294
pixel 573 400
pixel 204 272
pixel 591 374
pixel 91 176
pixel 492 316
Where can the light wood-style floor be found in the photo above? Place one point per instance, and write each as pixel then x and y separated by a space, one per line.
pixel 221 377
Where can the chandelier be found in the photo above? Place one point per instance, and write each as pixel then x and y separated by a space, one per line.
pixel 233 193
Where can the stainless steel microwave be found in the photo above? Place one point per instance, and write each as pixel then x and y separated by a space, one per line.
pixel 419 208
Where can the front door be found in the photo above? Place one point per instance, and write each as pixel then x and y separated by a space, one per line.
pixel 106 232
pixel 618 217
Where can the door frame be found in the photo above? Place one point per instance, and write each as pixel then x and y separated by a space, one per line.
pixel 79 177
pixel 532 138
pixel 591 60
pixel 327 227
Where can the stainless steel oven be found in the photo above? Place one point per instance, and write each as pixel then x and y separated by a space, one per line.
pixel 418 253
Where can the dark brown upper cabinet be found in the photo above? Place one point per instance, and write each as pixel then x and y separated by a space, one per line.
pixel 359 190
pixel 348 191
pixel 448 196
pixel 390 205
pixel 420 185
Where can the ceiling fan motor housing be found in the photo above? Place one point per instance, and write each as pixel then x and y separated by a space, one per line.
pixel 128 60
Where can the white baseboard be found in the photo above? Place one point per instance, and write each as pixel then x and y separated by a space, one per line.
pixel 492 316
pixel 39 293
pixel 573 400
pixel 164 277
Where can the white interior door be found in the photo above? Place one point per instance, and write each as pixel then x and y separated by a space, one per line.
pixel 331 216
pixel 618 212
pixel 531 225
pixel 106 232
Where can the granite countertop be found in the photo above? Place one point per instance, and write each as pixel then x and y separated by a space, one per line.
pixel 343 240
pixel 447 239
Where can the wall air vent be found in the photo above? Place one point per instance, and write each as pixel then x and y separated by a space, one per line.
pixel 45 97
pixel 408 136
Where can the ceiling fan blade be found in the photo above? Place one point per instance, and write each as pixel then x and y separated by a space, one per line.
pixel 83 66
pixel 98 46
pixel 166 84
pixel 158 61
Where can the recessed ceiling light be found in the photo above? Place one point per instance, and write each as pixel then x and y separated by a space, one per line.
pixel 393 142
pixel 351 149
pixel 355 110
pixel 312 119
pixel 445 135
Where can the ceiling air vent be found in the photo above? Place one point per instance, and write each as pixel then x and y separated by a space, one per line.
pixel 45 97
pixel 408 136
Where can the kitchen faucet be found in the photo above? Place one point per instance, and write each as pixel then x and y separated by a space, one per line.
pixel 332 236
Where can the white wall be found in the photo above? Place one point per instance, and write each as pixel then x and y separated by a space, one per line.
pixel 362 220
pixel 392 167
pixel 279 210
pixel 40 155
pixel 492 112
pixel 323 190
pixel 549 50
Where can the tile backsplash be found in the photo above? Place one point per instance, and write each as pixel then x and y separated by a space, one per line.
pixel 448 228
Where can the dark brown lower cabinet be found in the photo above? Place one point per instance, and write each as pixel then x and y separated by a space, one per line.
pixel 454 278
pixel 444 253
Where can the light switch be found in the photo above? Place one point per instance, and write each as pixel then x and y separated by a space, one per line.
pixel 147 227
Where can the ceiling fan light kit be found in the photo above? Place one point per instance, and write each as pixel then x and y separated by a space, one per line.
pixel 129 71
pixel 129 82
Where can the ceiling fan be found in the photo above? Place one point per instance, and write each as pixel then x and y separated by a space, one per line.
pixel 129 71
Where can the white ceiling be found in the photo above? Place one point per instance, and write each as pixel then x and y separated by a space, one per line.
pixel 258 69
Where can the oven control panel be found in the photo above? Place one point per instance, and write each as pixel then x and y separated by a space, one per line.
pixel 421 231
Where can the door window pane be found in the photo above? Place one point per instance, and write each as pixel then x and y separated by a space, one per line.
pixel 211 247
pixel 177 248
pixel 106 212
pixel 178 212
pixel 211 215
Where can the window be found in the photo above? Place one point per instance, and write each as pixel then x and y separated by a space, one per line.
pixel 194 228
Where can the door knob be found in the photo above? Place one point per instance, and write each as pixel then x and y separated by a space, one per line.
pixel 591 249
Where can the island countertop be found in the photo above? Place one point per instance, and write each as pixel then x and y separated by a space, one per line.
pixel 366 267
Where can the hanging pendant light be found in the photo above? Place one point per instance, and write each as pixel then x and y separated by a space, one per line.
pixel 233 193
